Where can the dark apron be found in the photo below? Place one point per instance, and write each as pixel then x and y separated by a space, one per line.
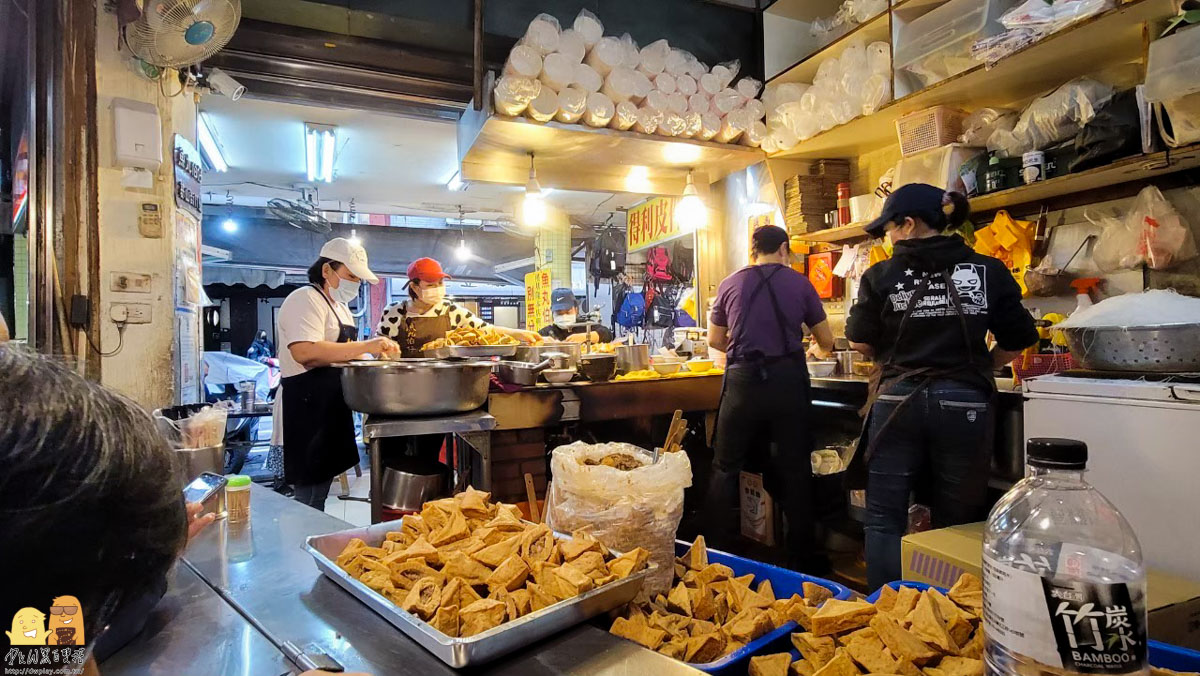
pixel 413 332
pixel 757 359
pixel 889 375
pixel 318 427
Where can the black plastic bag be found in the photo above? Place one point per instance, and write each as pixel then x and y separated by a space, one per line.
pixel 1114 133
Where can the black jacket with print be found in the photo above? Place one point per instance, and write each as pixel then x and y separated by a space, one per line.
pixel 933 335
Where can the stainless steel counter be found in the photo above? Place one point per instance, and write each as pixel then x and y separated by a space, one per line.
pixel 261 570
pixel 193 630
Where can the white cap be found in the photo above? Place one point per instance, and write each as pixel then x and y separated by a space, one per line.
pixel 352 255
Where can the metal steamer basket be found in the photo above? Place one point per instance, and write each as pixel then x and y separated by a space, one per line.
pixel 1169 348
pixel 493 643
pixel 415 386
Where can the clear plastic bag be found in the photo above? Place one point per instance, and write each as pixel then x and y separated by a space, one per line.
pixel 586 78
pixel 748 87
pixel 633 53
pixel 623 509
pixel 542 34
pixel 727 71
pixel 523 61
pixel 558 71
pixel 879 58
pixel 572 103
pixel 589 27
pixel 1117 246
pixel 600 110
pixel 203 429
pixel 624 116
pixel 571 45
pixel 1053 118
pixel 678 61
pixel 654 57
pixel 607 55
pixel 513 94
pixel 981 124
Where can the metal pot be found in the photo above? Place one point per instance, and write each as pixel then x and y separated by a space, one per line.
pixel 534 354
pixel 408 490
pixel 632 358
pixel 598 367
pixel 519 372
pixel 415 386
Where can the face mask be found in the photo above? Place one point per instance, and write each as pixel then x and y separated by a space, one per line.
pixel 564 321
pixel 433 295
pixel 346 291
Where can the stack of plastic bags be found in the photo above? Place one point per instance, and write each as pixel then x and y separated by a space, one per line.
pixel 580 75
pixel 1033 20
pixel 857 83
pixel 849 14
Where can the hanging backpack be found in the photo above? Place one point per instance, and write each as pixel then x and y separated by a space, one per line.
pixel 633 310
pixel 608 255
pixel 683 262
pixel 662 311
pixel 658 265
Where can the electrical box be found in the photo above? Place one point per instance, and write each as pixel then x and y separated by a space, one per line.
pixel 137 134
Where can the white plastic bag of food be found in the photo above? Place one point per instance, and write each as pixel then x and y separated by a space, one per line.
pixel 623 509
pixel 572 102
pixel 1164 238
pixel 686 85
pixel 586 78
pixel 513 94
pixel 606 55
pixel 571 45
pixel 523 61
pixel 599 110
pixel 558 71
pixel 621 84
pixel 710 126
pixel 544 106
pixel 543 34
pixel 1117 246
pixel 625 115
pixel 588 27
pixel 654 57
pixel 727 71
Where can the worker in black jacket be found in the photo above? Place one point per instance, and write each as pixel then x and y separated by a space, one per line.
pixel 924 316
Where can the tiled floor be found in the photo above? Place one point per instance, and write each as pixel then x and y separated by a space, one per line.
pixel 356 512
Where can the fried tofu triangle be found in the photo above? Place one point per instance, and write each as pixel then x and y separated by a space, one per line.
pixel 770 665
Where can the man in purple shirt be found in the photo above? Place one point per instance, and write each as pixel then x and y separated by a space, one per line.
pixel 758 320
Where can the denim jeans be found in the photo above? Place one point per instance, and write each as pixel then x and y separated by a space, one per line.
pixel 764 414
pixel 943 435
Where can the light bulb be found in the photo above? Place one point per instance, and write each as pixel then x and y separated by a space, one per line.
pixel 463 252
pixel 691 214
pixel 534 210
pixel 229 225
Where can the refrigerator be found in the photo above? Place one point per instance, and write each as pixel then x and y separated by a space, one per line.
pixel 1143 437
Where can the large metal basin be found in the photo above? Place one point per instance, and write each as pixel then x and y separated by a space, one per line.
pixel 1170 348
pixel 415 387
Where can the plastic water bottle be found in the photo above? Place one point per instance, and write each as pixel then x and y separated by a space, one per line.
pixel 1064 590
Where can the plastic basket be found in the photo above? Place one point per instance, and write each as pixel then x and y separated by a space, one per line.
pixel 930 128
pixel 1161 655
pixel 784 583
pixel 1041 364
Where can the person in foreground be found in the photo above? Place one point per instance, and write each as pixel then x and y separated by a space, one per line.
pixel 758 320
pixel 312 422
pixel 565 309
pixel 90 521
pixel 924 316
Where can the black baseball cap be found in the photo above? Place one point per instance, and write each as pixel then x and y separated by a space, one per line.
pixel 905 200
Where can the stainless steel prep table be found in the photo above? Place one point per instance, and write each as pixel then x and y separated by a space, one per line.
pixel 193 630
pixel 264 572
pixel 473 427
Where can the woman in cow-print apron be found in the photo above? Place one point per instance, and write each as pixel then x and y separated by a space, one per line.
pixel 925 316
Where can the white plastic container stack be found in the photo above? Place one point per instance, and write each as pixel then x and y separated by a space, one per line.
pixel 513 94
pixel 558 72
pixel 588 27
pixel 572 103
pixel 620 85
pixel 685 84
pixel 608 54
pixel 600 110
pixel 587 79
pixel 542 34
pixel 524 61
pixel 571 45
pixel 625 115
pixel 544 106
pixel 654 57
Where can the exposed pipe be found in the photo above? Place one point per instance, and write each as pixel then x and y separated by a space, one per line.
pixel 478 54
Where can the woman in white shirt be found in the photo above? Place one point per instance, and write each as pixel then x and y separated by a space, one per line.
pixel 316 331
pixel 427 315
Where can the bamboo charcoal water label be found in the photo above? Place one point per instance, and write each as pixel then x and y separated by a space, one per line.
pixel 1064 621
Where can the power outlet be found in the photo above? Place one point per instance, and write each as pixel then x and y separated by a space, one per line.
pixel 133 313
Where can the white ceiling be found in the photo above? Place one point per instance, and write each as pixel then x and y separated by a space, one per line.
pixel 385 163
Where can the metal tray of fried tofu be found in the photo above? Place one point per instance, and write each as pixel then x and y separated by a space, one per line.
pixel 490 644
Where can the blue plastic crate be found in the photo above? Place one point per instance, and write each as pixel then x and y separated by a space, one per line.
pixel 784 583
pixel 1162 655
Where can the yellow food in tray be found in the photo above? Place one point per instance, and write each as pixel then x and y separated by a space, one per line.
pixel 465 564
pixel 467 336
pixel 655 375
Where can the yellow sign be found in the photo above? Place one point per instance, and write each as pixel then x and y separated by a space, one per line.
pixel 651 223
pixel 537 299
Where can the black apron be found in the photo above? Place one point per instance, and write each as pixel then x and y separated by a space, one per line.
pixel 414 332
pixel 757 359
pixel 888 375
pixel 318 427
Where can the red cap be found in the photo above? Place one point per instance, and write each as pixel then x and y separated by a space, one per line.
pixel 426 270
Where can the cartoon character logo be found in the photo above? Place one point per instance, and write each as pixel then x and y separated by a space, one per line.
pixel 28 628
pixel 969 283
pixel 66 622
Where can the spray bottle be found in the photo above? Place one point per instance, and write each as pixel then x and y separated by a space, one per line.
pixel 1083 287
